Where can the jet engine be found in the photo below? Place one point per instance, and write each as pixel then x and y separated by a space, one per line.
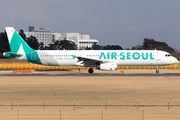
pixel 111 66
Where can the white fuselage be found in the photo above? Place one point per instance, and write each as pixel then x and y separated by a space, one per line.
pixel 120 57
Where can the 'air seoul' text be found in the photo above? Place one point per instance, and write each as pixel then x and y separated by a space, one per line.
pixel 126 55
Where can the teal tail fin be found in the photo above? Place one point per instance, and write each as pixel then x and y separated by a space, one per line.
pixel 19 48
pixel 15 40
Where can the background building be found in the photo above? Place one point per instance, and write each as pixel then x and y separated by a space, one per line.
pixel 81 40
pixel 55 37
pixel 44 35
pixel 41 33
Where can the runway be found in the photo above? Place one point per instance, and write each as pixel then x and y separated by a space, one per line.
pixel 87 74
pixel 80 94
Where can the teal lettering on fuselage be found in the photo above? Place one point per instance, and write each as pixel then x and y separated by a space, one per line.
pixel 113 55
pixel 122 56
pixel 108 55
pixel 145 57
pixel 136 56
pixel 127 55
pixel 151 56
pixel 102 55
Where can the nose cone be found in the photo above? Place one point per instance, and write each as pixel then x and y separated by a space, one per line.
pixel 174 60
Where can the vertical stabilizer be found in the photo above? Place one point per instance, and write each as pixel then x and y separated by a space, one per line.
pixel 19 48
pixel 15 41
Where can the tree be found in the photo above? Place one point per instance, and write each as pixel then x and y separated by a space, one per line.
pixel 68 45
pixel 63 44
pixel 137 47
pixel 41 46
pixel 95 46
pixel 56 46
pixel 151 44
pixel 4 44
pixel 88 48
pixel 21 33
pixel 33 42
pixel 176 53
pixel 112 47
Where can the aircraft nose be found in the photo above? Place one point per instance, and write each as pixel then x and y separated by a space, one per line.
pixel 174 60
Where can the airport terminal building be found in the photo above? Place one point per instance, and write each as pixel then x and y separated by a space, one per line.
pixel 44 35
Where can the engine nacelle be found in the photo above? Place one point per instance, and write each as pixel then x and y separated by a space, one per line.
pixel 107 66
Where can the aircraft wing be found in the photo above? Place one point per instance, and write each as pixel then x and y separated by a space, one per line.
pixel 89 61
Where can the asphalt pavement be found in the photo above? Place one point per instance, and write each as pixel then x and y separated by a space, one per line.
pixel 87 74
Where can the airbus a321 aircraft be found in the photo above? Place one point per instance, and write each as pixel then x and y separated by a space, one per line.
pixel 107 60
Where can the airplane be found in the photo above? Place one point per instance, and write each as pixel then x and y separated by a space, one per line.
pixel 106 60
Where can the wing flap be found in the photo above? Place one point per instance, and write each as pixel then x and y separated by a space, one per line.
pixel 88 59
pixel 89 62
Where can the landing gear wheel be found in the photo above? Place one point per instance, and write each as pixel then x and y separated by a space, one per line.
pixel 90 70
pixel 157 71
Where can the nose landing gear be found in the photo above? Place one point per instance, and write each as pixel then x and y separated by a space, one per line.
pixel 157 71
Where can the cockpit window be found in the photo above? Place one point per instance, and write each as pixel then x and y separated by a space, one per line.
pixel 167 55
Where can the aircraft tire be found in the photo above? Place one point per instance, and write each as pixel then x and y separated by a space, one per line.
pixel 90 70
pixel 157 71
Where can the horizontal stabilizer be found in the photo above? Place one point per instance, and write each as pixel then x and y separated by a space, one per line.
pixel 12 54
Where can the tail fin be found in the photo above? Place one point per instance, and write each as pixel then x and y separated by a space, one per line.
pixel 15 41
pixel 19 49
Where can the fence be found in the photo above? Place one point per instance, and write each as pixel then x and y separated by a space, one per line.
pixel 137 112
pixel 106 105
pixel 35 66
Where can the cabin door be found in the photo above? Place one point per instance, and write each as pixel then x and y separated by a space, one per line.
pixel 158 55
pixel 33 56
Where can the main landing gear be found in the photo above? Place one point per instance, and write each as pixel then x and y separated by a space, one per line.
pixel 90 70
pixel 157 71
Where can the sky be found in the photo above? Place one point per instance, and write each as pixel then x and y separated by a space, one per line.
pixel 112 22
